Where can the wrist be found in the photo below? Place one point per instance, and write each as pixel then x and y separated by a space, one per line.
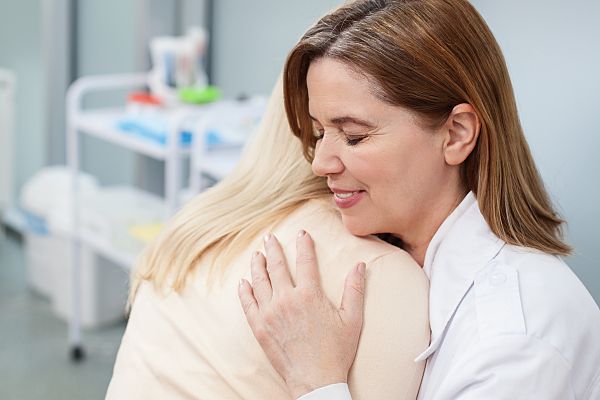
pixel 335 391
pixel 299 389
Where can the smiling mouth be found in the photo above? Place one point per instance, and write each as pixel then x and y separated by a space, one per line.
pixel 346 195
pixel 346 199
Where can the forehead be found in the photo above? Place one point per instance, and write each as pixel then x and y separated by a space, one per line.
pixel 336 90
pixel 334 87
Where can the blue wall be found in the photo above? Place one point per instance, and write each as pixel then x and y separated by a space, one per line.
pixel 252 39
pixel 106 44
pixel 21 52
pixel 553 52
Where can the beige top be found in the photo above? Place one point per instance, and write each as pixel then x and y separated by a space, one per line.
pixel 198 345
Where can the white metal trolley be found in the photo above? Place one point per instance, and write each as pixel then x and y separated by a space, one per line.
pixel 101 123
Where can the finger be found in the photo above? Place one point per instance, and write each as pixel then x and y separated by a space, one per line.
pixel 351 309
pixel 248 301
pixel 277 265
pixel 261 285
pixel 307 271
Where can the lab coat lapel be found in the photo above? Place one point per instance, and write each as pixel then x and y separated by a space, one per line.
pixel 461 247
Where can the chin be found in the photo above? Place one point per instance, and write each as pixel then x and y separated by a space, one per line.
pixel 357 227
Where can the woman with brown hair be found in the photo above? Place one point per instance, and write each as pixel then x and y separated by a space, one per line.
pixel 407 108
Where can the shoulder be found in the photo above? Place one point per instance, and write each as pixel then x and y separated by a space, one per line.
pixel 333 242
pixel 546 284
pixel 536 296
pixel 396 267
pixel 392 274
pixel 395 329
pixel 548 287
pixel 397 296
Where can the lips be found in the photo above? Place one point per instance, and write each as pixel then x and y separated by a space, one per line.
pixel 347 198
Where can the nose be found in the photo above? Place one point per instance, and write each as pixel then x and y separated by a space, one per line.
pixel 327 161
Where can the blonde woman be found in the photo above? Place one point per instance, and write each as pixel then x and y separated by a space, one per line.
pixel 407 108
pixel 187 337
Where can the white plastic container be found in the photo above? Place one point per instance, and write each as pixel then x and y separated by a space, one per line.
pixel 103 285
pixel 177 63
pixel 44 192
pixel 39 254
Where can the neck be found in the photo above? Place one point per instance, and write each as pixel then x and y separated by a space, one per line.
pixel 418 253
pixel 416 245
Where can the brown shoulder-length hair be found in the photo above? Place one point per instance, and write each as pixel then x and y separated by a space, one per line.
pixel 429 56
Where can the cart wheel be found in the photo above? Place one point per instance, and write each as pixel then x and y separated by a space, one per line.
pixel 77 354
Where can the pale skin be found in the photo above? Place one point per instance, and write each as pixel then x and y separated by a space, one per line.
pixel 407 181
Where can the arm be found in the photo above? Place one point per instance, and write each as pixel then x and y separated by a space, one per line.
pixel 395 330
pixel 134 375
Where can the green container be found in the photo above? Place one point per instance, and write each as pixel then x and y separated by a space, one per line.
pixel 200 96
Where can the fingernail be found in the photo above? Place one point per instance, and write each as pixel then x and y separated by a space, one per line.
pixel 241 282
pixel 360 268
pixel 301 233
pixel 267 237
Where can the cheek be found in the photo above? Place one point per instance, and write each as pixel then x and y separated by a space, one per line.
pixel 390 171
pixel 402 175
pixel 367 165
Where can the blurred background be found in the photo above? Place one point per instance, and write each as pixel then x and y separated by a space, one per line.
pixel 138 157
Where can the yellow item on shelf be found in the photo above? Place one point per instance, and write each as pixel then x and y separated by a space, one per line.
pixel 147 232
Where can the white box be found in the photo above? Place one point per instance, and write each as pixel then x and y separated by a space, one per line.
pixel 39 254
pixel 103 285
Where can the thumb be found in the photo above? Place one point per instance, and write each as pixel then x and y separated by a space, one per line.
pixel 351 309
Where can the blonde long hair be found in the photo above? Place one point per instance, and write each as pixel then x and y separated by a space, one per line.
pixel 429 56
pixel 271 181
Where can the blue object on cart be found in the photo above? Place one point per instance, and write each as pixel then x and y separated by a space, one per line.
pixel 155 131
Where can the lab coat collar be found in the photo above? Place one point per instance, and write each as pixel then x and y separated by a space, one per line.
pixel 461 247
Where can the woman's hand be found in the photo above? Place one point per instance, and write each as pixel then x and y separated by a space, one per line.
pixel 309 341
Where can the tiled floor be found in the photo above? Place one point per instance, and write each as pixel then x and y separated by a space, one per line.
pixel 34 362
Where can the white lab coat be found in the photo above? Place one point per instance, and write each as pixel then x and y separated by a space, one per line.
pixel 506 322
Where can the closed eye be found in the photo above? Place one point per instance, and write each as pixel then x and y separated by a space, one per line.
pixel 354 140
pixel 350 140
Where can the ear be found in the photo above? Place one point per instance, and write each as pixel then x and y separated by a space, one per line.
pixel 461 133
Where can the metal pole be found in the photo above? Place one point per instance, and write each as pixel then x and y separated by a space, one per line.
pixel 76 348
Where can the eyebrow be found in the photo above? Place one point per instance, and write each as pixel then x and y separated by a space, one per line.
pixel 347 120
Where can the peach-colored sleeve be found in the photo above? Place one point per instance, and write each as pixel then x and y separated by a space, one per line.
pixel 395 330
pixel 133 377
